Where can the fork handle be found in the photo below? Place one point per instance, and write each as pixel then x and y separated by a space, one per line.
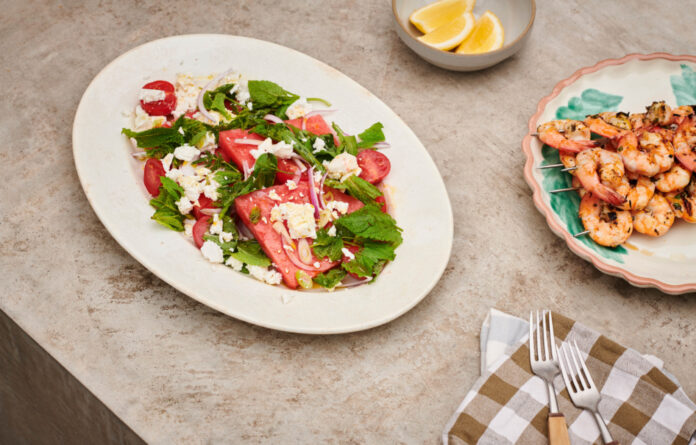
pixel 558 431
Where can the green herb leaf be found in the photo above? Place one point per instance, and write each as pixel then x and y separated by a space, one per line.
pixel 255 215
pixel 360 189
pixel 371 136
pixel 250 252
pixel 156 137
pixel 218 104
pixel 265 170
pixel 371 224
pixel 266 94
pixel 166 210
pixel 327 246
pixel 330 278
pixel 348 144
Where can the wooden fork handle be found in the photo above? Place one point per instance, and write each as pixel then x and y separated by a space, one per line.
pixel 558 431
pixel 613 442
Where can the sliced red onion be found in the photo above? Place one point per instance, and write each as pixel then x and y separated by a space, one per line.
pixel 304 252
pixel 295 260
pixel 248 141
pixel 280 228
pixel 244 230
pixel 245 170
pixel 320 112
pixel 304 123
pixel 382 145
pixel 209 211
pixel 321 190
pixel 353 282
pixel 313 192
pixel 273 118
pixel 201 106
pixel 299 161
pixel 137 154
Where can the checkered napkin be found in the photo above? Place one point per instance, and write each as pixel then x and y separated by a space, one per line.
pixel 642 403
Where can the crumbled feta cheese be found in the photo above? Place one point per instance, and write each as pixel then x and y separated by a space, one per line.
pixel 188 226
pixel 339 206
pixel 280 149
pixel 212 252
pixel 167 162
pixel 332 231
pixel 317 176
pixel 181 130
pixel 217 117
pixel 343 166
pixel 187 88
pixel 202 171
pixel 319 145
pixel 299 108
pixel 265 221
pixel 317 264
pixel 241 91
pixel 226 237
pixel 274 196
pixel 186 153
pixel 173 174
pixel 143 121
pixel 348 253
pixel 147 95
pixel 210 190
pixel 264 274
pixel 184 205
pixel 208 142
pixel 292 185
pixel 234 263
pixel 300 219
pixel 191 185
pixel 216 226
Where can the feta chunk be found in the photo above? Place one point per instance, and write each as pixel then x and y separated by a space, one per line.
pixel 348 253
pixel 343 166
pixel 241 91
pixel 188 226
pixel 210 190
pixel 319 145
pixel 216 225
pixel 299 108
pixel 147 95
pixel 265 275
pixel 186 153
pixel 292 185
pixel 212 252
pixel 234 263
pixel 207 143
pixel 280 149
pixel 167 162
pixel 339 206
pixel 300 219
pixel 191 185
pixel 174 174
pixel 332 231
pixel 187 88
pixel 184 205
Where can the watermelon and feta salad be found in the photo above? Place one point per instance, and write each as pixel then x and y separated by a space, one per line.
pixel 263 183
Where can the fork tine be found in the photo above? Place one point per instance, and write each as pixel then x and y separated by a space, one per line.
pixel 571 370
pixel 584 367
pixel 553 339
pixel 564 371
pixel 546 337
pixel 538 337
pixel 531 337
pixel 577 366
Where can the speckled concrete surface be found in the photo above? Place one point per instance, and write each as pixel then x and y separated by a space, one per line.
pixel 178 372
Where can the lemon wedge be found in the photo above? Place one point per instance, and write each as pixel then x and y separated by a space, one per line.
pixel 450 34
pixel 430 17
pixel 488 35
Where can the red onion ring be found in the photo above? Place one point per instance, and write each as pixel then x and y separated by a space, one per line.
pixel 210 211
pixel 244 230
pixel 353 283
pixel 381 145
pixel 321 190
pixel 313 192
pixel 295 260
pixel 248 141
pixel 273 118
pixel 299 162
pixel 137 154
pixel 201 106
pixel 245 169
pixel 304 252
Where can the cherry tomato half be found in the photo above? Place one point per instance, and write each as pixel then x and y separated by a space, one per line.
pixel 151 176
pixel 203 203
pixel 375 166
pixel 199 230
pixel 162 107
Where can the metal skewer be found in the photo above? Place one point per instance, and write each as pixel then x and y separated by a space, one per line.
pixel 542 167
pixel 564 190
pixel 581 233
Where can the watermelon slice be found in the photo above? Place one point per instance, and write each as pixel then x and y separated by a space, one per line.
pixel 270 240
pixel 238 153
pixel 315 124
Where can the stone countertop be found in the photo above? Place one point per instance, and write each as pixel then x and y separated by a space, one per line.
pixel 176 371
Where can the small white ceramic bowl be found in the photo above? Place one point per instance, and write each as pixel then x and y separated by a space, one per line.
pixel 517 17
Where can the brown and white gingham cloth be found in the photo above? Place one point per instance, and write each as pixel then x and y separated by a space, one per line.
pixel 641 403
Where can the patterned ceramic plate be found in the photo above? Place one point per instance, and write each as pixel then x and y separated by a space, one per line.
pixel 626 84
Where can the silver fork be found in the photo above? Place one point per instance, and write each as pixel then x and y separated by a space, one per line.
pixel 581 388
pixel 544 361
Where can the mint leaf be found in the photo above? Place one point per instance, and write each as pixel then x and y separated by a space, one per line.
pixel 330 278
pixel 156 137
pixel 327 246
pixel 218 104
pixel 266 94
pixel 371 136
pixel 166 210
pixel 169 219
pixel 348 144
pixel 371 224
pixel 265 170
pixel 357 268
pixel 370 259
pixel 360 189
pixel 250 252
pixel 171 187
